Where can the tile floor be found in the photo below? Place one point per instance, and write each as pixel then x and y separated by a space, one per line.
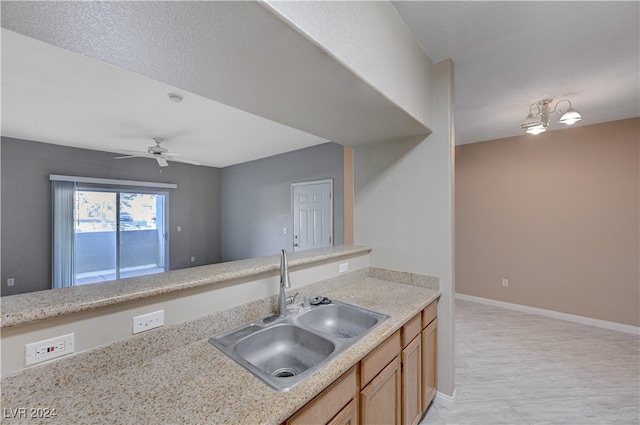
pixel 517 368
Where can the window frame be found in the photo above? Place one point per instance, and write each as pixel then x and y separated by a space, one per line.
pixel 63 249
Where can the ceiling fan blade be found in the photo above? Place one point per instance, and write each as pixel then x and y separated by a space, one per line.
pixel 160 154
pixel 161 161
pixel 128 156
pixel 186 161
pixel 130 152
pixel 134 154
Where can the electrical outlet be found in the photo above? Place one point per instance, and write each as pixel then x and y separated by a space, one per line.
pixel 48 349
pixel 193 259
pixel 11 281
pixel 505 282
pixel 148 321
pixel 344 267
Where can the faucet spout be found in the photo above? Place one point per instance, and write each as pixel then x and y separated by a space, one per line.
pixel 284 271
pixel 284 283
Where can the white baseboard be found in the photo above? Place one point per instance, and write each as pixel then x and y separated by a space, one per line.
pixel 621 327
pixel 444 400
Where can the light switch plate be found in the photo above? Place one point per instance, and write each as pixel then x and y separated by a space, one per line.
pixel 148 321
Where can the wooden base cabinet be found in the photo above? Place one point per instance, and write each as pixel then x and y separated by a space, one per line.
pixel 347 416
pixel 336 405
pixel 380 400
pixel 392 385
pixel 429 354
pixel 380 380
pixel 411 371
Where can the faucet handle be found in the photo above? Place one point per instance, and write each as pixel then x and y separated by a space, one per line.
pixel 291 300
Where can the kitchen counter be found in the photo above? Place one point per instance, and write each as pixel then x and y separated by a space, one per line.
pixel 195 382
pixel 35 306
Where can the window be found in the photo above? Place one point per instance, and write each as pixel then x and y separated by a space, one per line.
pixel 105 232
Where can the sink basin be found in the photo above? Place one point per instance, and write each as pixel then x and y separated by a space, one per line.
pixel 282 351
pixel 339 320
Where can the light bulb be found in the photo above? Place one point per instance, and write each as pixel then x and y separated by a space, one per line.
pixel 570 117
pixel 536 130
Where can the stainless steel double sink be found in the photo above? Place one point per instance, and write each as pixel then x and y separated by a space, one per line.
pixel 284 350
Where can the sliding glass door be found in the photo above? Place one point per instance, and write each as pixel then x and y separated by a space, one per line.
pixel 141 239
pixel 117 234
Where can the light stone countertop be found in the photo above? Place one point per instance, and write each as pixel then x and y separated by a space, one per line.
pixel 196 383
pixel 34 306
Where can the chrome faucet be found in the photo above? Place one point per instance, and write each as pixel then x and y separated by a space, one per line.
pixel 284 283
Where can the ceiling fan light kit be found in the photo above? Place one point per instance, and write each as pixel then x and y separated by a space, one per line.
pixel 539 119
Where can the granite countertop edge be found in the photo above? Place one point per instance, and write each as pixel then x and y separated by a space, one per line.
pixel 31 307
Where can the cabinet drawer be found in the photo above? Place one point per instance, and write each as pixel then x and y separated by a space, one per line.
pixel 375 361
pixel 410 330
pixel 329 402
pixel 429 313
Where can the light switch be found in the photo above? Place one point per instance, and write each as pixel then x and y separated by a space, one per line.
pixel 148 321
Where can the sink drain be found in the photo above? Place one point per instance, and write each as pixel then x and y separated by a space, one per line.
pixel 284 372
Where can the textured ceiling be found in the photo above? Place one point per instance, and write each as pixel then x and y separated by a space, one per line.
pixel 57 96
pixel 240 54
pixel 508 55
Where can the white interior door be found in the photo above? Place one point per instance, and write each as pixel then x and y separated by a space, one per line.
pixel 312 214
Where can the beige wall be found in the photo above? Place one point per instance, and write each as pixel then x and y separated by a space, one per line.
pixel 558 216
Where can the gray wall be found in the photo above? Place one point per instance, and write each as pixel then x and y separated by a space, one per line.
pixel 256 199
pixel 26 206
pixel 225 214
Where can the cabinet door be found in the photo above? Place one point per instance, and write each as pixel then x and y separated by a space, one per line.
pixel 380 400
pixel 412 382
pixel 429 363
pixel 347 416
pixel 329 403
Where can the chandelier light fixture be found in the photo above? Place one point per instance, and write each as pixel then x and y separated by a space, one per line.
pixel 540 116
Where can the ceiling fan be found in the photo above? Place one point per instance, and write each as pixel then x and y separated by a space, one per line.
pixel 157 152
